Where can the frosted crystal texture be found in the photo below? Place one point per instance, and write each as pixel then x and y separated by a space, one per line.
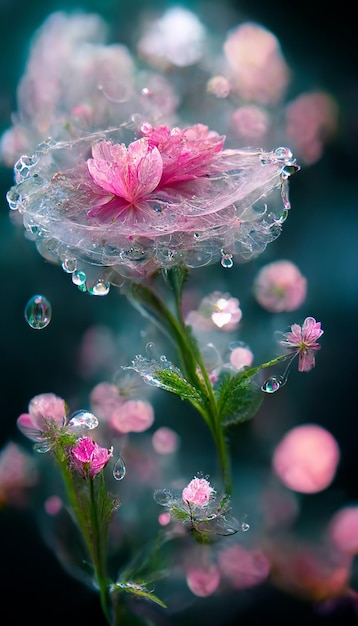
pixel 237 209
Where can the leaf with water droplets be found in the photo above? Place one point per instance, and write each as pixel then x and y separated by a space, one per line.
pixel 163 374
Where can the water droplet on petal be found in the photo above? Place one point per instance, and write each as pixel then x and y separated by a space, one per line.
pixel 119 470
pixel 42 447
pixel 226 260
pixel 82 420
pixel 101 288
pixel 245 527
pixel 38 312
pixel 69 265
pixel 272 384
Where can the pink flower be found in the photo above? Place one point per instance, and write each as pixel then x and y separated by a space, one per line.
pixel 202 581
pixel 303 340
pixel 243 568
pixel 198 492
pixel 306 458
pixel 343 529
pixel 47 412
pixel 241 357
pixel 172 196
pixel 280 286
pixel 216 311
pixel 89 458
pixel 133 416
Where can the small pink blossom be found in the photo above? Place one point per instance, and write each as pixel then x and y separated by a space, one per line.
pixel 198 492
pixel 105 400
pixel 89 458
pixel 280 286
pixel 303 340
pixel 306 458
pixel 203 581
pixel 216 311
pixel 343 529
pixel 165 440
pixel 46 411
pixel 243 568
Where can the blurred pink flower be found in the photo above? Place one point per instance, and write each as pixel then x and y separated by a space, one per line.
pixel 343 529
pixel 243 568
pixel 89 458
pixel 105 399
pixel 134 416
pixel 165 440
pixel 258 69
pixel 203 581
pixel 198 492
pixel 216 311
pixel 303 340
pixel 18 472
pixel 306 459
pixel 46 412
pixel 241 357
pixel 280 286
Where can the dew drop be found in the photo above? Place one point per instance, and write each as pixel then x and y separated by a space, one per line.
pixel 101 288
pixel 79 277
pixel 69 265
pixel 38 312
pixel 226 260
pixel 119 470
pixel 42 447
pixel 272 384
pixel 82 420
pixel 245 527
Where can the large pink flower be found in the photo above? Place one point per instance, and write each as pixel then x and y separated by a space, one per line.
pixel 102 207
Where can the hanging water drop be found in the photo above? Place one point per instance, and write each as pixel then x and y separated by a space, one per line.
pixel 42 447
pixel 69 265
pixel 272 384
pixel 245 527
pixel 79 277
pixel 82 420
pixel 119 470
pixel 100 288
pixel 226 260
pixel 38 312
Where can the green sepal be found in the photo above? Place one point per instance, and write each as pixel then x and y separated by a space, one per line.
pixel 239 398
pixel 137 589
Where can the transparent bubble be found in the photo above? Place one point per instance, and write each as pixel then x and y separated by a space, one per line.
pixel 226 260
pixel 38 312
pixel 119 470
pixel 100 288
pixel 245 527
pixel 163 496
pixel 82 420
pixel 43 447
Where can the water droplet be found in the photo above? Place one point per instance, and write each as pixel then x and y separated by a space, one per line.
pixel 13 198
pixel 226 260
pixel 82 420
pixel 119 470
pixel 42 447
pixel 38 312
pixel 79 277
pixel 101 288
pixel 69 265
pixel 163 496
pixel 272 384
pixel 245 527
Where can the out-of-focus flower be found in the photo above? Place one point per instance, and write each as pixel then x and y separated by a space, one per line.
pixel 165 440
pixel 250 123
pixel 243 568
pixel 343 530
pixel 133 416
pixel 198 492
pixel 311 120
pixel 47 412
pixel 259 72
pixel 306 459
pixel 196 203
pixel 303 341
pixel 280 286
pixel 200 508
pixel 89 458
pixel 74 82
pixel 18 473
pixel 216 311
pixel 241 357
pixel 176 38
pixel 203 581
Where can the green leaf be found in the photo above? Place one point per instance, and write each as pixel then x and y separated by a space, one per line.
pixel 139 590
pixel 175 383
pixel 239 398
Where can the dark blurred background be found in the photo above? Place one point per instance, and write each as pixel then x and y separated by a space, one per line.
pixel 319 44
